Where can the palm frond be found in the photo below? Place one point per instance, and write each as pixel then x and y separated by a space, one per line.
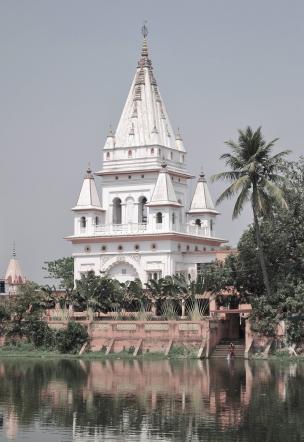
pixel 234 188
pixel 275 193
pixel 227 176
pixel 243 197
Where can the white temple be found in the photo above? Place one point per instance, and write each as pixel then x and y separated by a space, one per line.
pixel 142 226
pixel 14 276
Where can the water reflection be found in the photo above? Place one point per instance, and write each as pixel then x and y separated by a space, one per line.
pixel 151 400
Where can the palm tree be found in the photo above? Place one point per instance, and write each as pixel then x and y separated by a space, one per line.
pixel 255 177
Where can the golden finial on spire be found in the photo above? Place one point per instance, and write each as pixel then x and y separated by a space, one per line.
pixel 202 174
pixel 89 171
pixel 144 29
pixel 144 49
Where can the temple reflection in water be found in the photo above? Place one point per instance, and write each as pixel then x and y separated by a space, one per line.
pixel 143 400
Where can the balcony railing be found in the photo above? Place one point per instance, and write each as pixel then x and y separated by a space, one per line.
pixel 120 229
pixel 145 229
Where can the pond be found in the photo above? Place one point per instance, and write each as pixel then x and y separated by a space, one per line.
pixel 146 400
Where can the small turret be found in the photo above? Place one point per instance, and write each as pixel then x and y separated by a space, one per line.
pixel 202 212
pixel 164 208
pixel 163 193
pixel 202 201
pixel 89 212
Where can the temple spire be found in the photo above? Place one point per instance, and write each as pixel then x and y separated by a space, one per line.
pixel 14 275
pixel 144 107
pixel 144 49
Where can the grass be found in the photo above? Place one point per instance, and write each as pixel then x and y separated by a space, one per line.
pixel 182 352
pixel 29 351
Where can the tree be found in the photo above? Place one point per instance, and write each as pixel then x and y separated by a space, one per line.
pixel 72 338
pixel 26 310
pixel 133 294
pixel 61 269
pixel 283 238
pixel 93 292
pixel 255 176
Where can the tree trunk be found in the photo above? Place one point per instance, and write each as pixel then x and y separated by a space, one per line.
pixel 261 252
pixel 183 308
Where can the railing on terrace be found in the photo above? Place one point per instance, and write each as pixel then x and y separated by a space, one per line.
pixel 133 229
pixel 68 315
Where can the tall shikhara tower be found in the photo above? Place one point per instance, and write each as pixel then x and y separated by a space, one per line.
pixel 142 226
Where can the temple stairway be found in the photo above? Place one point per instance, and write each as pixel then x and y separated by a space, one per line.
pixel 221 350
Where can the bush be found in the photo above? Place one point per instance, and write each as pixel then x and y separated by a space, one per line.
pixel 39 333
pixel 72 339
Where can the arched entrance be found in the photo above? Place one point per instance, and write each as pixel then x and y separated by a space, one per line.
pixel 123 271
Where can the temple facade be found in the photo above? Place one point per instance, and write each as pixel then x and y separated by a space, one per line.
pixel 138 223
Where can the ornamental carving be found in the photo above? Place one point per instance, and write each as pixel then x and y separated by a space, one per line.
pixel 135 257
pixel 105 259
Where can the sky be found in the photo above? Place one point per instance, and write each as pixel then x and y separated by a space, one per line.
pixel 66 68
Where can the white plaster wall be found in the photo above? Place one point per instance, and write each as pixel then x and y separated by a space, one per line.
pixel 143 157
pixel 168 256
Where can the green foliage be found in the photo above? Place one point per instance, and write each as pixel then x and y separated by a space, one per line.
pixel 27 305
pixel 282 237
pixel 196 310
pixel 182 351
pixel 133 294
pixel 169 311
pixel 144 313
pixel 5 315
pixel 174 287
pixel 39 333
pixel 4 311
pixel 62 270
pixel 218 275
pixel 255 176
pixel 295 330
pixel 72 338
pixel 101 294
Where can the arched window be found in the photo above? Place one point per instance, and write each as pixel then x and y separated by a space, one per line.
pixel 116 211
pixel 152 151
pixel 129 153
pixel 96 220
pixel 83 222
pixel 142 210
pixel 171 155
pixel 198 222
pixel 173 218
pixel 211 225
pixel 159 217
pixel 108 155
